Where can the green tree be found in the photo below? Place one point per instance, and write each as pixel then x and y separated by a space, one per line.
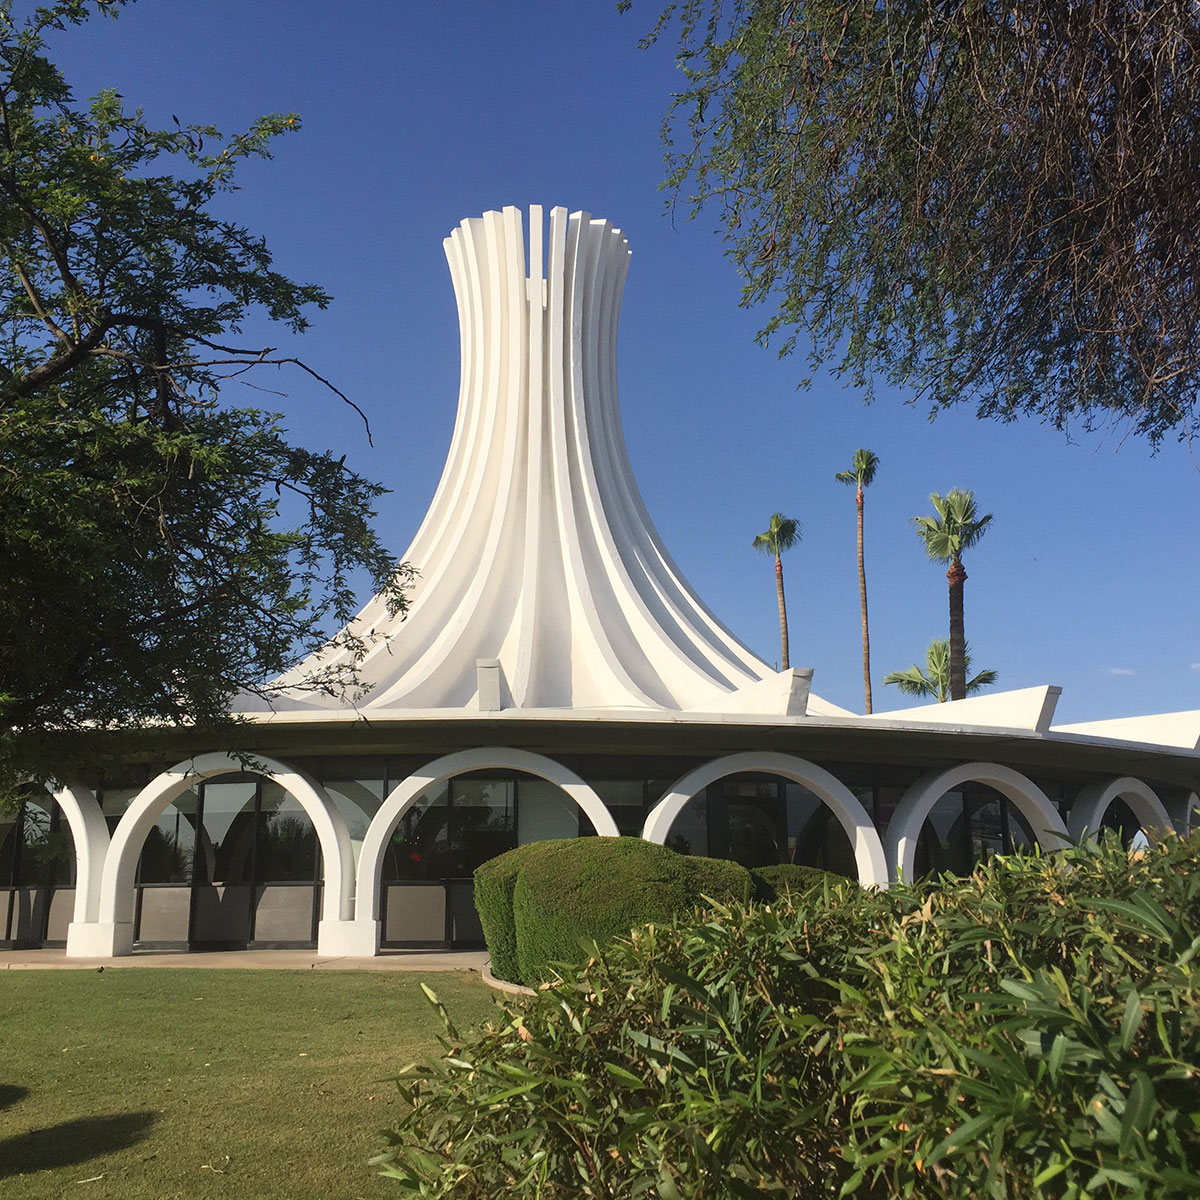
pixel 160 549
pixel 934 679
pixel 967 199
pixel 861 474
pixel 956 527
pixel 782 534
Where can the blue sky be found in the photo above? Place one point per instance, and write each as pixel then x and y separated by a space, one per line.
pixel 416 116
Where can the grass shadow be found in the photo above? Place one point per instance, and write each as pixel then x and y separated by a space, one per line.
pixel 10 1094
pixel 71 1142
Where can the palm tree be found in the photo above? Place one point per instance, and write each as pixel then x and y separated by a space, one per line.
pixel 957 527
pixel 935 679
pixel 782 534
pixel 861 473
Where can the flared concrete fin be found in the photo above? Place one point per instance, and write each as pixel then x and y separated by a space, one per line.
pixel 537 553
pixel 1181 729
pixel 1025 708
pixel 818 706
pixel 783 695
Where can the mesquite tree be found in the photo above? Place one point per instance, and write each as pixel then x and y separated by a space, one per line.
pixel 160 549
pixel 968 200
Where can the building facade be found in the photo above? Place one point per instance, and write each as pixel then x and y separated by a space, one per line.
pixel 556 677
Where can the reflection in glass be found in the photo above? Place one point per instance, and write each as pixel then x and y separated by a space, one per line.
pixel 815 835
pixel 482 822
pixel 420 845
pixel 545 811
pixel 286 848
pixel 229 830
pixel 170 846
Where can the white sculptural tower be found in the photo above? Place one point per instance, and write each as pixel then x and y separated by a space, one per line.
pixel 543 584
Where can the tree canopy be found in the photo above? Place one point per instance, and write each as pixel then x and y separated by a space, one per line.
pixel 967 200
pixel 160 549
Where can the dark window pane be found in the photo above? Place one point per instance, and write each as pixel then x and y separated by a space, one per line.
pixel 170 846
pixel 545 811
pixel 287 841
pixel 482 822
pixel 229 830
pixel 420 844
pixel 625 800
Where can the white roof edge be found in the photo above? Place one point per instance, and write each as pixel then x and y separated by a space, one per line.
pixel 1179 729
pixel 1029 709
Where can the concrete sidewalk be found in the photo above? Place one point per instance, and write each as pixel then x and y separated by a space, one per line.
pixel 252 960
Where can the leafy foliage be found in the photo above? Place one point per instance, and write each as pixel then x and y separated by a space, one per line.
pixel 955 527
pixel 780 535
pixel 542 902
pixel 969 199
pixel 160 549
pixel 934 679
pixel 791 879
pixel 495 882
pixel 1032 1030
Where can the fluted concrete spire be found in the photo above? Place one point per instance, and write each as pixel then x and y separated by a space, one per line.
pixel 543 583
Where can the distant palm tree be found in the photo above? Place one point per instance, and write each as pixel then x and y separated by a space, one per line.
pixel 782 534
pixel 957 527
pixel 861 473
pixel 934 680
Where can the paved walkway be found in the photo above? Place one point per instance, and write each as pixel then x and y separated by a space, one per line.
pixel 262 960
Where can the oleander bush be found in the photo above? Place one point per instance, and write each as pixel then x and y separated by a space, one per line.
pixel 550 899
pixel 1032 1030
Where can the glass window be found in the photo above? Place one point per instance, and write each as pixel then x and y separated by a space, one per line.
pixel 420 844
pixel 545 811
pixel 625 799
pixel 816 837
pixel 482 822
pixel 169 850
pixel 286 849
pixel 228 827
pixel 689 830
pixel 358 800
pixel 9 833
pixel 43 849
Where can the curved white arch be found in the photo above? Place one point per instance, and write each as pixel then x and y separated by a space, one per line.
pixel 918 801
pixel 868 849
pixel 1094 798
pixel 114 927
pixel 405 794
pixel 89 832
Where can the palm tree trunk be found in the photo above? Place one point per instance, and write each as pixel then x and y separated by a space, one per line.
pixel 783 629
pixel 956 577
pixel 862 595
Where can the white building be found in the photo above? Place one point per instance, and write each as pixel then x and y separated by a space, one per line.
pixel 556 676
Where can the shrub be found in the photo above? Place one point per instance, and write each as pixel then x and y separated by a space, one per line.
pixel 494 884
pixel 791 879
pixel 595 889
pixel 1032 1030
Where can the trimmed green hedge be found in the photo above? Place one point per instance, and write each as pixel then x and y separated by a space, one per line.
pixel 791 879
pixel 539 902
pixel 494 884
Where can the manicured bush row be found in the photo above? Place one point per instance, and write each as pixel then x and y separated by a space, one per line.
pixel 494 884
pixel 1030 1031
pixel 537 903
pixel 595 889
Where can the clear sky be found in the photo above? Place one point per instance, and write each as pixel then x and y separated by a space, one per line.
pixel 415 116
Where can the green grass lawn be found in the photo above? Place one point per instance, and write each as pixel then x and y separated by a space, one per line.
pixel 203 1083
